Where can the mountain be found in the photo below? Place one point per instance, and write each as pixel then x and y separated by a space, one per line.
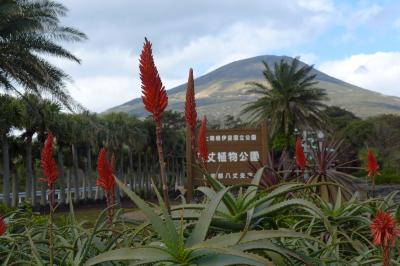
pixel 224 91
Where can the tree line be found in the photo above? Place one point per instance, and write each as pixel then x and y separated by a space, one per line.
pixel 24 122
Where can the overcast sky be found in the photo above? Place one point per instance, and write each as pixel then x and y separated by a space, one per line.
pixel 356 41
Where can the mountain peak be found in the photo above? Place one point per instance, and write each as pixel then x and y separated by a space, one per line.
pixel 224 90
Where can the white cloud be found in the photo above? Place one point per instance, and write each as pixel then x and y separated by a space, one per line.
pixel 203 40
pixel 317 5
pixel 379 71
pixel 108 77
pixel 97 93
pixel 239 41
pixel 366 14
pixel 396 23
pixel 205 35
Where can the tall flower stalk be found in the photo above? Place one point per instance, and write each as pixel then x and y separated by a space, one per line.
pixel 384 231
pixel 202 143
pixel 301 160
pixel 106 181
pixel 155 101
pixel 372 168
pixel 190 111
pixel 51 174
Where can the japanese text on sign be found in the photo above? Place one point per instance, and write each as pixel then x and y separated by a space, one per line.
pixel 235 137
pixel 232 156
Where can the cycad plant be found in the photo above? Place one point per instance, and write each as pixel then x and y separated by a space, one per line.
pixel 325 169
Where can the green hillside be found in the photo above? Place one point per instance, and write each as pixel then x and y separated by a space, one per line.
pixel 224 91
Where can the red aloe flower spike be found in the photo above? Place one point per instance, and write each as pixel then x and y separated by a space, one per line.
pixel 155 101
pixel 190 110
pixel 51 173
pixel 384 231
pixel 3 226
pixel 48 163
pixel 372 168
pixel 301 160
pixel 372 164
pixel 190 104
pixel 106 179
pixel 203 151
pixel 154 97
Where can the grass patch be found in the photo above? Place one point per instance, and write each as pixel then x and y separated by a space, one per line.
pixel 88 215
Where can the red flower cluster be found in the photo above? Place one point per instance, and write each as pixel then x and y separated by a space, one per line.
pixel 301 160
pixel 47 162
pixel 384 229
pixel 3 226
pixel 154 97
pixel 106 180
pixel 190 104
pixel 203 151
pixel 106 177
pixel 372 164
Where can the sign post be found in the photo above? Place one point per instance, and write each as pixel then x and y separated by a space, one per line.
pixel 230 153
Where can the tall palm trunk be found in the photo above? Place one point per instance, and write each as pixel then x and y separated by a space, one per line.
pixel 14 188
pixel 74 149
pixel 89 170
pixel 62 175
pixel 121 169
pixel 29 171
pixel 6 171
pixel 131 172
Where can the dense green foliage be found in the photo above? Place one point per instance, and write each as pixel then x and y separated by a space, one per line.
pixel 25 121
pixel 265 231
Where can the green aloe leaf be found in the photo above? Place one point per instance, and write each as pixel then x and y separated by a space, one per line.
pixel 35 253
pixel 200 230
pixel 223 256
pixel 170 237
pixel 308 206
pixel 228 240
pixel 268 245
pixel 228 199
pixel 140 254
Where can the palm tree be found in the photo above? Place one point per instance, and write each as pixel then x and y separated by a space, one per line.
pixel 117 135
pixel 136 140
pixel 30 122
pixel 62 131
pixel 76 136
pixel 37 115
pixel 90 129
pixel 29 32
pixel 9 118
pixel 290 100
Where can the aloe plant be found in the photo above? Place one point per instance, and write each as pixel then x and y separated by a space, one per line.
pixel 343 227
pixel 250 208
pixel 26 242
pixel 179 246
